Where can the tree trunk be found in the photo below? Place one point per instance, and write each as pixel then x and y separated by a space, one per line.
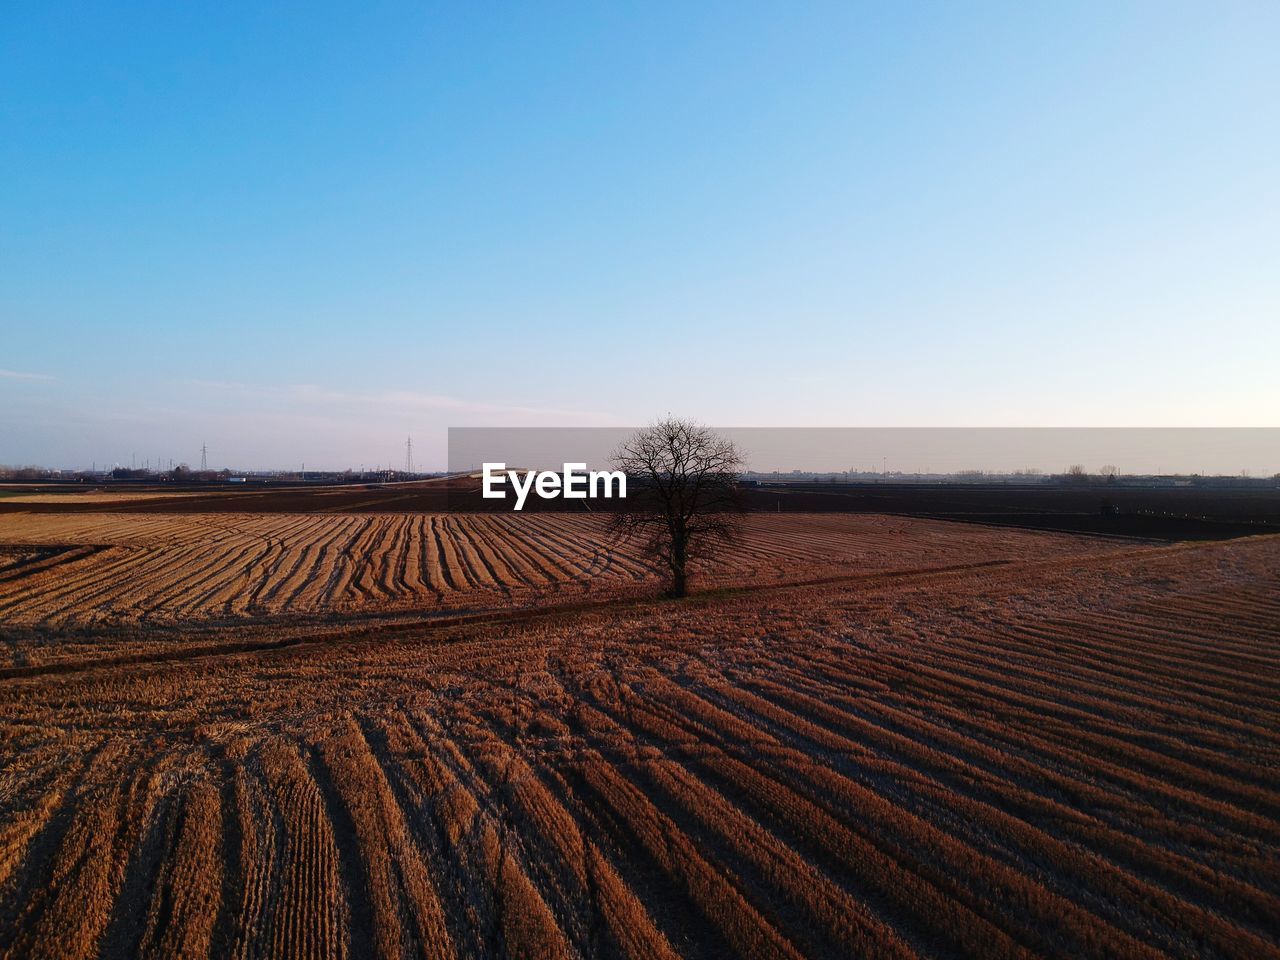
pixel 679 587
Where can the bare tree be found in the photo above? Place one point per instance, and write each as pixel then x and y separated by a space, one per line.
pixel 682 494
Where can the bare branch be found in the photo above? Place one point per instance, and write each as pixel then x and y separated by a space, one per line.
pixel 683 495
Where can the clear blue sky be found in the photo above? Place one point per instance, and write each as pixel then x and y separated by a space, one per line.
pixel 300 232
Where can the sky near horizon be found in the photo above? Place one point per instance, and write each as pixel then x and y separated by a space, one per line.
pixel 301 232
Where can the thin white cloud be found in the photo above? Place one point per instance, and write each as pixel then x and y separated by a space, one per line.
pixel 19 375
pixel 407 400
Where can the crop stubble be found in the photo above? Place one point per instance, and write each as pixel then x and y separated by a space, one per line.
pixel 1072 754
pixel 111 569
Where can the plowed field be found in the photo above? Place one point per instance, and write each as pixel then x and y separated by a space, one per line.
pixel 1072 752
pixel 166 568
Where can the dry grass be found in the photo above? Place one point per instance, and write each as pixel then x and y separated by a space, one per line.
pixel 99 497
pixel 1055 757
pixel 114 569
